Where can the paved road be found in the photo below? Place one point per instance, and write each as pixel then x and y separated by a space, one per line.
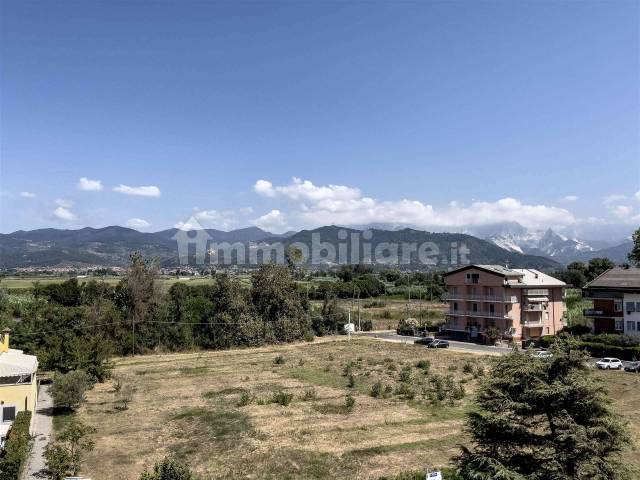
pixel 389 336
pixel 43 429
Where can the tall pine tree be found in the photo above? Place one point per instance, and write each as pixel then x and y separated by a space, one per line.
pixel 544 419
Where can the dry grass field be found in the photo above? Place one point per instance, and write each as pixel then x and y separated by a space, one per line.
pixel 219 411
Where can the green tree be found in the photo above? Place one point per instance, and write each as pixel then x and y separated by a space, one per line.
pixel 597 266
pixel 64 456
pixel 167 469
pixel 634 254
pixel 539 419
pixel 68 389
pixel 140 289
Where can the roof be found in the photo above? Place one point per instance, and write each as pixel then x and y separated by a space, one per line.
pixel 535 278
pixel 617 278
pixel 14 362
pixel 496 269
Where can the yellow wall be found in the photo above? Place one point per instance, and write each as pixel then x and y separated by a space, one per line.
pixel 15 395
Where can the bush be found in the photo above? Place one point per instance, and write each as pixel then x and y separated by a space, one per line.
pixel 467 367
pixel 279 360
pixel 167 469
pixel 351 383
pixel 245 399
pixel 349 402
pixel 376 390
pixel 405 374
pixel 309 395
pixel 68 389
pixel 16 447
pixel 424 365
pixel 282 398
pixel 124 396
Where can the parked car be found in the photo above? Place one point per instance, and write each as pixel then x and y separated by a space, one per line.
pixel 609 363
pixel 632 367
pixel 543 354
pixel 425 341
pixel 439 344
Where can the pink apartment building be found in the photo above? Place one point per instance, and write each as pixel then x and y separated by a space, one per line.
pixel 522 304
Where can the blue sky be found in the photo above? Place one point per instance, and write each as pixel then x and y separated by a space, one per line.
pixel 296 114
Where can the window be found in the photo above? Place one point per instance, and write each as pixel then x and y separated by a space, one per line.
pixel 617 305
pixel 619 325
pixel 631 307
pixel 637 306
pixel 455 306
pixel 631 326
pixel 491 291
pixel 475 307
pixel 492 308
pixel 8 414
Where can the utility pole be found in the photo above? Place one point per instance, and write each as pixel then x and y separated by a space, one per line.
pixel 133 329
pixel 359 326
pixel 349 327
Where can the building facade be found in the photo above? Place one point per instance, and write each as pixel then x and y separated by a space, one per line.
pixel 616 301
pixel 515 304
pixel 18 384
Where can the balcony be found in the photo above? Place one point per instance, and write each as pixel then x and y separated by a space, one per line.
pixel 532 323
pixel 534 307
pixel 469 313
pixel 537 292
pixel 481 298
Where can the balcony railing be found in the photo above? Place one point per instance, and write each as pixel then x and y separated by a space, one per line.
pixel 481 298
pixel 483 314
pixel 534 307
pixel 532 323
pixel 541 292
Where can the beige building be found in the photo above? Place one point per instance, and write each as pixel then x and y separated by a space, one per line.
pixel 18 384
pixel 521 304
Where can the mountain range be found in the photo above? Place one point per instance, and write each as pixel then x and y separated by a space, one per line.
pixel 507 243
pixel 111 246
pixel 514 237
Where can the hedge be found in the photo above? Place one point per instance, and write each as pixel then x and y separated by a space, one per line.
pixel 16 447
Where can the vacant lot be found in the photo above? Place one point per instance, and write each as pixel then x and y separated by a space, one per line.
pixel 224 412
pixel 281 412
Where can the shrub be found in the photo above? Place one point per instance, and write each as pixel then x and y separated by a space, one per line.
pixel 68 389
pixel 16 448
pixel 245 399
pixel 423 365
pixel 282 398
pixel 64 456
pixel 406 391
pixel 167 469
pixel 405 374
pixel 467 367
pixel 376 390
pixel 349 402
pixel 124 397
pixel 310 394
pixel 351 383
pixel 308 337
pixel 279 360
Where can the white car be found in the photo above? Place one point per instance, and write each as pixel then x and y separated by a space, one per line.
pixel 543 354
pixel 609 363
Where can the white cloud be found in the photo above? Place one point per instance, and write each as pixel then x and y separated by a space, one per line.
pixel 63 213
pixel 614 198
pixel 137 223
pixel 274 220
pixel 246 211
pixel 213 218
pixel 88 185
pixel 570 198
pixel 143 191
pixel 27 195
pixel 623 212
pixel 305 190
pixel 341 205
pixel 61 202
pixel 264 188
pixel 638 195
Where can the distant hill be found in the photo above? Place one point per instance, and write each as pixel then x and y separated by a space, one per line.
pixel 480 251
pixel 111 246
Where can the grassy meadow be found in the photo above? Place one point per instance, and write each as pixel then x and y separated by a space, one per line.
pixel 283 412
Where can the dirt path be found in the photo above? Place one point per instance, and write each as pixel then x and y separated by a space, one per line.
pixel 43 430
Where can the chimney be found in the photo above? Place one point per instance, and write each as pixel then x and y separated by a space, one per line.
pixel 4 347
